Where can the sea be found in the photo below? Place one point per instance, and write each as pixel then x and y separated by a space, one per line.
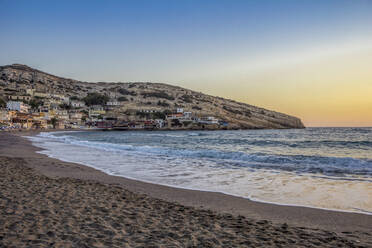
pixel 328 168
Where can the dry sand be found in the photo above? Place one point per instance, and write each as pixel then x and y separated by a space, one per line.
pixel 49 203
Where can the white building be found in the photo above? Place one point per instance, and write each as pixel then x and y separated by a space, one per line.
pixel 113 103
pixel 159 123
pixel 17 106
pixel 40 94
pixel 66 99
pixel 208 120
pixel 148 110
pixel 43 109
pixel 77 104
pixel 62 114
pixel 30 92
pixel 179 110
pixel 187 115
pixel 76 115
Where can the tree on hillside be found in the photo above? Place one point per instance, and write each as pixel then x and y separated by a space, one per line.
pixel 95 99
pixel 2 103
pixel 158 115
pixel 35 103
pixel 127 92
pixel 167 112
pixel 54 122
pixel 122 99
pixel 65 106
pixel 74 98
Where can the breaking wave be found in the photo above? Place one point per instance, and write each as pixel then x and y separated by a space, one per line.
pixel 327 165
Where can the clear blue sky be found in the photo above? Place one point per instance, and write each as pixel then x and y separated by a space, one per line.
pixel 258 52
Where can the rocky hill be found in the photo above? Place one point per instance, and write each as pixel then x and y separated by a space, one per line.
pixel 16 78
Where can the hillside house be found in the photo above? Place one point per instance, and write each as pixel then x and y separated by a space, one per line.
pixel 77 104
pixel 40 94
pixel 113 103
pixel 148 110
pixel 4 116
pixel 183 116
pixel 62 114
pixel 209 120
pixel 160 123
pixel 44 109
pixel 19 98
pixel 96 111
pixel 30 92
pixel 174 116
pixel 18 106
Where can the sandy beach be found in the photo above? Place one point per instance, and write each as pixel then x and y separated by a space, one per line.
pixel 45 202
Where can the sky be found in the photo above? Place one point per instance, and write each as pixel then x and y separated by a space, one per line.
pixel 311 59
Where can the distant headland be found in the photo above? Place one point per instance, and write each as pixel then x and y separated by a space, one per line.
pixel 30 98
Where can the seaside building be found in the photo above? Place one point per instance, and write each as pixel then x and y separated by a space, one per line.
pixel 53 102
pixel 174 116
pixel 62 114
pixel 136 125
pixel 77 104
pixel 113 103
pixel 208 120
pixel 148 110
pixel 187 115
pixel 17 106
pixel 19 98
pixel 149 124
pixel 96 111
pixel 44 109
pixel 160 123
pixel 22 120
pixel 181 116
pixel 30 92
pixel 40 94
pixel 76 117
pixel 39 121
pixel 4 116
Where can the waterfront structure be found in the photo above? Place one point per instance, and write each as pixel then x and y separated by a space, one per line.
pixel 160 123
pixel 53 112
pixel 208 120
pixel 96 111
pixel 4 116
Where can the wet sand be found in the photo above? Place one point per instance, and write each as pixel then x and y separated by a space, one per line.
pixel 45 202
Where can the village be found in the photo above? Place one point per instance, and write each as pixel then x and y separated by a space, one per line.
pixel 41 110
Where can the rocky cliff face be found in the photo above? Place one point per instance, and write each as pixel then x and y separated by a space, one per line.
pixel 17 78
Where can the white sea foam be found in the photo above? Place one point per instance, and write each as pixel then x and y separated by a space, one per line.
pixel 316 181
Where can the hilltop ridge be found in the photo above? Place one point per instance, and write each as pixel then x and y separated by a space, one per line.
pixel 135 96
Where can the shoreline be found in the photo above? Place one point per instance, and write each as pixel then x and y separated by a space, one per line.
pixel 361 211
pixel 338 221
pixel 82 206
pixel 357 210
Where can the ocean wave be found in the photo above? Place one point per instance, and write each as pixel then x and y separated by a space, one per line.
pixel 335 166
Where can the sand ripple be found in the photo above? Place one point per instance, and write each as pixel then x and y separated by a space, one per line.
pixel 38 211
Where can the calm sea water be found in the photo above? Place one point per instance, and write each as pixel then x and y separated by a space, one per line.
pixel 317 167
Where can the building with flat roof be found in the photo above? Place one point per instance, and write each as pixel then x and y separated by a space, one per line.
pixel 17 106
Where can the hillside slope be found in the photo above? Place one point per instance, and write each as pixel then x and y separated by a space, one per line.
pixel 17 78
